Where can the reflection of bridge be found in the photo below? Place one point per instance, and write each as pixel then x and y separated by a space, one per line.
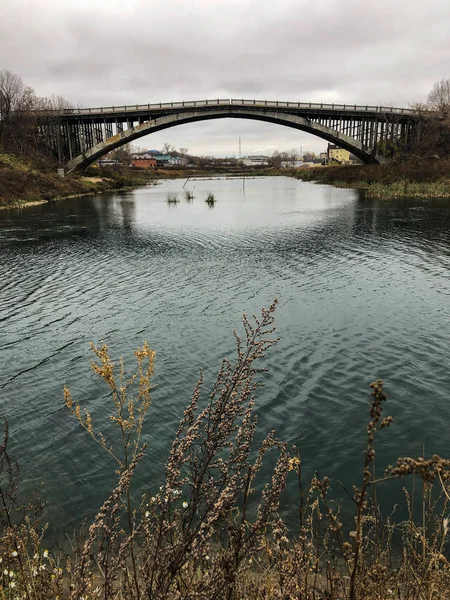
pixel 79 136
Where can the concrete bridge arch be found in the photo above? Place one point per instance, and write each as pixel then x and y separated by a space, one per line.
pixel 96 151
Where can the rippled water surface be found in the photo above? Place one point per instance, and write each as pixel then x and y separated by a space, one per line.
pixel 363 289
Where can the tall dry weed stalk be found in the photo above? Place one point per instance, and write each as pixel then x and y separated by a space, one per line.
pixel 213 529
pixel 129 415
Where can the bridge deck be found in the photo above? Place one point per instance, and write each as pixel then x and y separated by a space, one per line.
pixel 133 109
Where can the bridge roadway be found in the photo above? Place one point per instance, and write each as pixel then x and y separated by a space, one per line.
pixel 309 108
pixel 79 136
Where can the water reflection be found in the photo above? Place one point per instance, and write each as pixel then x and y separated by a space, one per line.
pixel 363 288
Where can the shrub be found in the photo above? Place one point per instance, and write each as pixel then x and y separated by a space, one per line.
pixel 208 532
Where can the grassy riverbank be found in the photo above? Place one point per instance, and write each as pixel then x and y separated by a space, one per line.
pixel 24 182
pixel 415 178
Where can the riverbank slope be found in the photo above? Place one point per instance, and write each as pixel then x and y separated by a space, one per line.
pixel 24 182
pixel 414 178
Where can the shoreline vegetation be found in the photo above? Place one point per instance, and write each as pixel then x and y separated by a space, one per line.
pixel 415 178
pixel 26 183
pixel 209 529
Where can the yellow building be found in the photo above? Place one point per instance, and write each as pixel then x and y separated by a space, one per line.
pixel 338 154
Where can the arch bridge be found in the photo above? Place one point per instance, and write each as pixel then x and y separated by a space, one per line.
pixel 77 137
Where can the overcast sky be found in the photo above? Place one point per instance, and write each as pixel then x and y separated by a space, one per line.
pixel 105 52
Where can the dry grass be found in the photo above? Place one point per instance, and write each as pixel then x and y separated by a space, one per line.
pixel 92 179
pixel 414 178
pixel 197 537
pixel 25 181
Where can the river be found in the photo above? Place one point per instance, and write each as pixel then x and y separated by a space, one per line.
pixel 363 289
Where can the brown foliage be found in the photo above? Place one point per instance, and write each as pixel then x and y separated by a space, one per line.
pixel 26 185
pixel 414 169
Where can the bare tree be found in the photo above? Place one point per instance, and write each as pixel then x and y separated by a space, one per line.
pixel 14 95
pixel 291 157
pixel 275 160
pixel 439 97
pixel 309 156
pixel 183 151
pixel 133 149
pixel 168 148
pixel 22 116
pixel 56 104
pixel 16 100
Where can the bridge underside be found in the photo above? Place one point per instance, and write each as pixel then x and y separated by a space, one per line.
pixel 101 148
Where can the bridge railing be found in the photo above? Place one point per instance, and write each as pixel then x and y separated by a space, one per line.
pixel 147 107
pixel 322 106
pixel 133 108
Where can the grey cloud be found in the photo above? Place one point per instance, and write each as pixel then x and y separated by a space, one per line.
pixel 112 52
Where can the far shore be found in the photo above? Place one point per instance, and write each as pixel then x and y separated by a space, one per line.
pixel 24 184
pixel 415 178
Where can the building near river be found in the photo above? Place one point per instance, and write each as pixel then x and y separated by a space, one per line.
pixel 336 154
pixel 143 161
pixel 165 160
pixel 256 160
pixel 341 156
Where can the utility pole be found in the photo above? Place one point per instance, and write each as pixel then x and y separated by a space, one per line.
pixel 239 147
